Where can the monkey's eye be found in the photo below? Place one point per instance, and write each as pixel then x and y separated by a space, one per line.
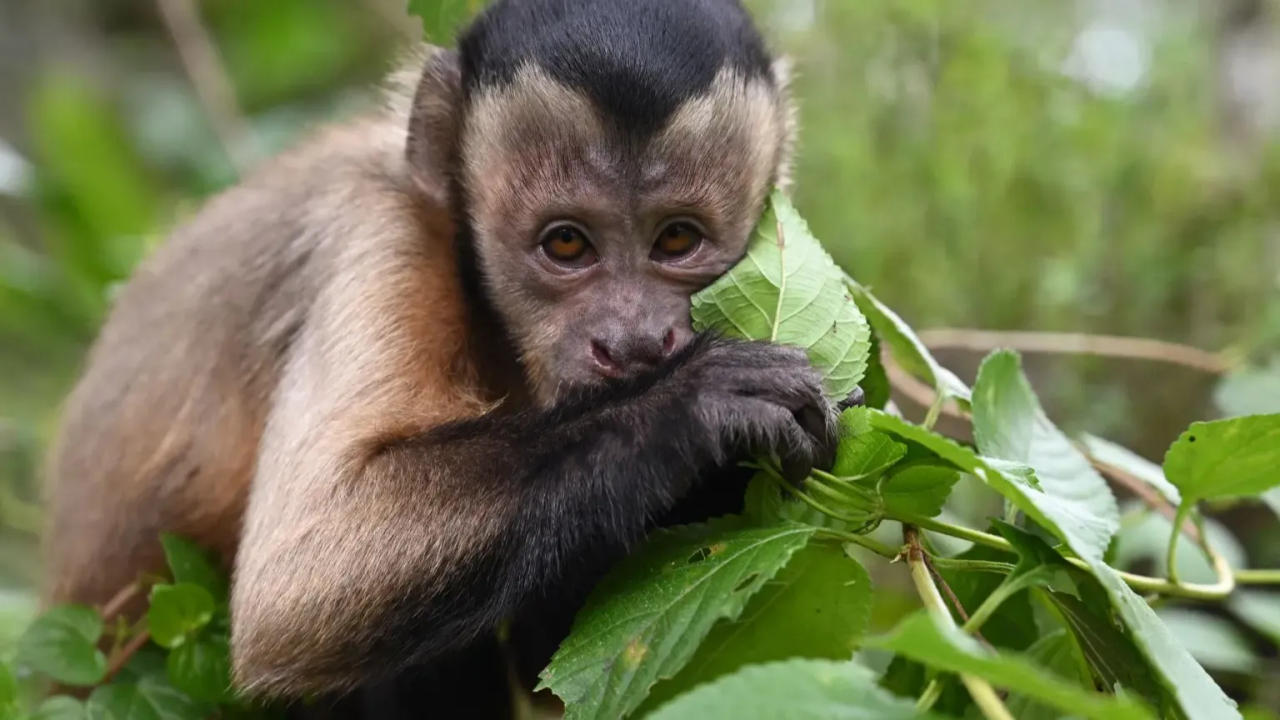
pixel 566 245
pixel 676 241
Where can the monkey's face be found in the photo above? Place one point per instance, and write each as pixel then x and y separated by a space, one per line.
pixel 592 240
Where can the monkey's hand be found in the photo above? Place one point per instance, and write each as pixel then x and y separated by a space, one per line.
pixel 760 399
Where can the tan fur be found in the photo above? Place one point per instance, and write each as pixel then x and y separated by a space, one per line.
pixel 256 374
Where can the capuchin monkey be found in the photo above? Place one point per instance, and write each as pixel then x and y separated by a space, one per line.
pixel 433 371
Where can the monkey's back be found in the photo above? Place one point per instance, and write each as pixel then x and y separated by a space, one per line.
pixel 161 432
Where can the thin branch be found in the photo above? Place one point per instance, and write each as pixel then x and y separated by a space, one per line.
pixel 112 607
pixel 1114 346
pixel 209 77
pixel 121 658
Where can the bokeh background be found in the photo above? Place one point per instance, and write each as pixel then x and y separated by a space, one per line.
pixel 1079 166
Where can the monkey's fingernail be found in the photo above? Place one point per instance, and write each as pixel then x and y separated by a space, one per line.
pixel 857 398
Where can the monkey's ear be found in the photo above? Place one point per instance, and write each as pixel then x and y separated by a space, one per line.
pixel 434 125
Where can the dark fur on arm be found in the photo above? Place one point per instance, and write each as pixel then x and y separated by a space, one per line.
pixel 553 496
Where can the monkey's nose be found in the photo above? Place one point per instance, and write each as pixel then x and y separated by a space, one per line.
pixel 631 354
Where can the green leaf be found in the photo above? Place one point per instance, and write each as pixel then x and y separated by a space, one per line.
pixel 875 382
pixel 147 699
pixel 1059 654
pixel 1196 693
pixel 63 644
pixel 919 488
pixel 1038 564
pixel 648 616
pixel 1066 519
pixel 202 668
pixel 906 347
pixel 1211 640
pixel 1226 458
pixel 177 612
pixel 863 452
pixel 795 690
pixel 788 290
pixel 1008 423
pixel 1109 453
pixel 60 708
pixel 818 606
pixel 190 563
pixel 925 640
pixel 1115 661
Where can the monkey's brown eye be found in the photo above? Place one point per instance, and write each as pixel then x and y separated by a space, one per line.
pixel 677 240
pixel 566 244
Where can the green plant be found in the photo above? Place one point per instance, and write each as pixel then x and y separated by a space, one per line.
pixel 748 615
pixel 171 664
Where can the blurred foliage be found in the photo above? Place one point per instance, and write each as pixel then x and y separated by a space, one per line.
pixel 996 164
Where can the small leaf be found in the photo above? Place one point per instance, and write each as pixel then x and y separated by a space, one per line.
pixel 788 290
pixel 795 690
pixel 875 382
pixel 818 606
pixel 63 644
pixel 147 699
pixel 202 668
pixel 907 348
pixel 918 489
pixel 647 618
pixel 189 563
pixel 863 452
pixel 1008 423
pixel 60 708
pixel 1226 458
pixel 923 639
pixel 1038 564
pixel 177 612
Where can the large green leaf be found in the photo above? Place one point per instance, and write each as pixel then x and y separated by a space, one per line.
pixel 1008 423
pixel 788 290
pixel 1059 653
pixel 906 347
pixel 1226 458
pixel 795 690
pixel 922 638
pixel 147 699
pixel 1113 659
pixel 647 618
pixel 63 644
pixel 818 606
pixel 177 612
pixel 1213 641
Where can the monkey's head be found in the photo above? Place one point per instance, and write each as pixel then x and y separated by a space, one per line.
pixel 607 158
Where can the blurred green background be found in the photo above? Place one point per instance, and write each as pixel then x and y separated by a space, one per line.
pixel 1096 166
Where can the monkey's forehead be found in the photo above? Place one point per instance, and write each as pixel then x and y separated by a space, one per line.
pixel 535 140
pixel 637 60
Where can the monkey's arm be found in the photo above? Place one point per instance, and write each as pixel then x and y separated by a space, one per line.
pixel 383 527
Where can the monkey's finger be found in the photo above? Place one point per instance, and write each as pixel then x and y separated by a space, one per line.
pixel 817 424
pixel 857 398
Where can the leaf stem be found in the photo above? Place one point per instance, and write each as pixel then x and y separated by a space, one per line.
pixel 1003 592
pixel 1219 589
pixel 1171 557
pixel 875 546
pixel 983 694
pixel 988 566
pixel 772 473
pixel 1258 577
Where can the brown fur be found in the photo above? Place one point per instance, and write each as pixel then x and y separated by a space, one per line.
pixel 254 372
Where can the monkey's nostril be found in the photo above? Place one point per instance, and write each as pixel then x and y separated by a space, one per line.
pixel 605 362
pixel 669 342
